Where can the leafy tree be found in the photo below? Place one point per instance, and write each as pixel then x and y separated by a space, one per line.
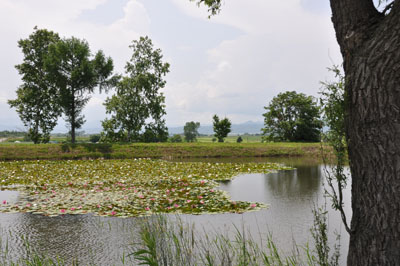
pixel 292 116
pixel 175 138
pixel 221 128
pixel 94 138
pixel 36 102
pixel 138 98
pixel 369 42
pixel 190 130
pixel 239 139
pixel 76 75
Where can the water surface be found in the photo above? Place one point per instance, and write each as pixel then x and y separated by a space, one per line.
pixel 105 240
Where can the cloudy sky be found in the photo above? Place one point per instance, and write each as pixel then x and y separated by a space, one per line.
pixel 231 65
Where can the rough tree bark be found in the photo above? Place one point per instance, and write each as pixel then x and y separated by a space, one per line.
pixel 370 45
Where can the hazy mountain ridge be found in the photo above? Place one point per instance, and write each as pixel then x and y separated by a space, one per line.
pixel 247 127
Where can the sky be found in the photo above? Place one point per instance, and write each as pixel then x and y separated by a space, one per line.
pixel 231 65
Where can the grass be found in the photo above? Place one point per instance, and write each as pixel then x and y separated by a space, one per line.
pixel 232 139
pixel 22 151
pixel 174 243
pixel 163 240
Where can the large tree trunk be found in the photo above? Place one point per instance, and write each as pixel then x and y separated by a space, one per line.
pixel 370 45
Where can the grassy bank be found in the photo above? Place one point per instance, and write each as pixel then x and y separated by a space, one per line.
pixel 20 151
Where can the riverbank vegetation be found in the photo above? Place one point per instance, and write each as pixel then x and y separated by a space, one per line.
pixel 20 151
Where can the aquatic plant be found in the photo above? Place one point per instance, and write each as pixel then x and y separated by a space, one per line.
pixel 124 188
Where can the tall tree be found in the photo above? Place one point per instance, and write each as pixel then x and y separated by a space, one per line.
pixel 138 98
pixel 221 127
pixel 76 75
pixel 370 44
pixel 190 130
pixel 36 101
pixel 292 116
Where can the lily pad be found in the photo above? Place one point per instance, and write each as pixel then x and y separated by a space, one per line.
pixel 124 188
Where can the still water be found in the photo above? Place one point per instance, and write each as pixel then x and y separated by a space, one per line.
pixel 291 196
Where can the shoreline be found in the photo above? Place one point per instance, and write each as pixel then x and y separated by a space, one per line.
pixel 82 151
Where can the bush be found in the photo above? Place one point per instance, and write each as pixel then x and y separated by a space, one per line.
pixel 239 139
pixel 94 138
pixel 175 138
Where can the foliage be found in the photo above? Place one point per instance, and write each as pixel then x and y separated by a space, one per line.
pixel 76 76
pixel 190 130
pixel 125 187
pixel 333 102
pixel 138 98
pixel 239 139
pixel 319 232
pixel 175 138
pixel 36 102
pixel 13 151
pixel 213 5
pixel 221 128
pixel 94 138
pixel 6 133
pixel 292 116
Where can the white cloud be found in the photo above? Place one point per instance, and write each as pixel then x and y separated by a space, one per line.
pixel 283 47
pixel 18 17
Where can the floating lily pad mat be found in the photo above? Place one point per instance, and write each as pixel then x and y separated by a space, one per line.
pixel 124 188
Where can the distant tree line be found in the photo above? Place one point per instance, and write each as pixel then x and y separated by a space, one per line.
pixel 7 134
pixel 60 74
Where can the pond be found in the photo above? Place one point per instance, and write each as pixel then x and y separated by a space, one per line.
pixel 97 240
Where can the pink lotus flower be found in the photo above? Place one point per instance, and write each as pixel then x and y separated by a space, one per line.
pixel 253 205
pixel 147 209
pixel 98 206
pixel 188 201
pixel 4 202
pixel 212 190
pixel 141 196
pixel 202 202
pixel 79 207
pixel 173 189
pixel 62 210
pixel 170 200
pixel 113 213
pixel 176 205
pixel 72 209
pixel 28 205
pixel 153 199
pixel 199 197
pixel 202 181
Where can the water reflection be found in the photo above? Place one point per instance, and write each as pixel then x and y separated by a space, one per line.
pixel 104 241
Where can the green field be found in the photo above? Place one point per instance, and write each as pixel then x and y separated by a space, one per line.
pixel 232 139
pixel 23 151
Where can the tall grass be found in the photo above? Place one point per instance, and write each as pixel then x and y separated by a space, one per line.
pixel 163 240
pixel 175 243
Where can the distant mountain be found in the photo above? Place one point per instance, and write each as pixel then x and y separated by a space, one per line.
pixel 249 127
